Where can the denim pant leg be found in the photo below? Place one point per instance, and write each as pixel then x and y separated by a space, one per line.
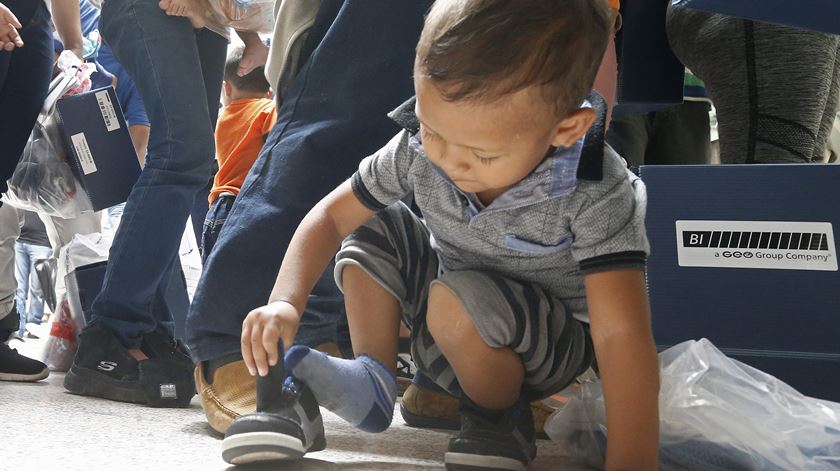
pixel 162 54
pixel 333 116
pixel 22 264
pixel 24 80
pixel 35 311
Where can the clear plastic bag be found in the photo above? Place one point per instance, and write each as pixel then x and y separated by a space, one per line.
pixel 69 320
pixel 716 414
pixel 246 15
pixel 43 181
pixel 61 345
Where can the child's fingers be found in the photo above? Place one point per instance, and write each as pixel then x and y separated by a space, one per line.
pixel 245 341
pixel 270 338
pixel 12 19
pixel 258 351
pixel 288 339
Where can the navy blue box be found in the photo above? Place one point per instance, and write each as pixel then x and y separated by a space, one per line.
pixel 746 256
pixel 99 146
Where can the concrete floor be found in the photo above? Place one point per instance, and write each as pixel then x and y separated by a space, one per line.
pixel 46 428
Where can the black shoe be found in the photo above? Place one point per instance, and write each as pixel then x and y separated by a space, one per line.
pixel 16 367
pixel 104 368
pixel 493 440
pixel 9 324
pixel 162 346
pixel 287 424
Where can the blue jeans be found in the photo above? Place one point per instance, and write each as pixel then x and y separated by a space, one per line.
pixel 24 80
pixel 166 58
pixel 213 223
pixel 333 116
pixel 28 286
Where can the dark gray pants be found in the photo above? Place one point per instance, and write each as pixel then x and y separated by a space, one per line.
pixel 675 135
pixel 775 88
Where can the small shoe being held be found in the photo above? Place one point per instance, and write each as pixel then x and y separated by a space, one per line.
pixel 287 424
pixel 104 368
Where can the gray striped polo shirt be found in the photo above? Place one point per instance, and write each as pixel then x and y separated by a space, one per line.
pixel 580 211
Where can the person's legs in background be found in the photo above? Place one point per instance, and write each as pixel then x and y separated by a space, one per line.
pixel 674 135
pixel 13 366
pixel 22 266
pixel 773 86
pixel 163 54
pixel 9 231
pixel 35 308
pixel 24 80
pixel 316 144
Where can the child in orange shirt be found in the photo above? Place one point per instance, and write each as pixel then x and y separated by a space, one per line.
pixel 248 115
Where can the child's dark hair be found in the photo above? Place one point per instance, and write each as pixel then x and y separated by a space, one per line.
pixel 484 49
pixel 254 81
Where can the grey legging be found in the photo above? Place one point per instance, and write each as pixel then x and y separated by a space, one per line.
pixel 775 87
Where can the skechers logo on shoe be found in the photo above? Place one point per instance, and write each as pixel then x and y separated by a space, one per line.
pixel 106 365
pixel 168 391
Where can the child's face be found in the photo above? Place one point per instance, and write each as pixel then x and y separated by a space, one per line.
pixel 486 148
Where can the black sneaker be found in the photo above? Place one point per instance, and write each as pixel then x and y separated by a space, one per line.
pixel 16 367
pixel 493 440
pixel 104 368
pixel 286 426
pixel 9 324
pixel 159 345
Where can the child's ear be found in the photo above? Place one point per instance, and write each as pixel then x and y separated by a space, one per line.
pixel 227 88
pixel 573 127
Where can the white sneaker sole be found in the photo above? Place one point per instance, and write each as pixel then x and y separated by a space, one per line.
pixel 482 461
pixel 255 447
pixel 25 378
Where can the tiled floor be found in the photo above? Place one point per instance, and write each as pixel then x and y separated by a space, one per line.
pixel 46 428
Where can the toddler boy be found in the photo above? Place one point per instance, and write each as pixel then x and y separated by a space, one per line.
pixel 527 265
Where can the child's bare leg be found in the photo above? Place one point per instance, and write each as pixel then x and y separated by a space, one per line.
pixel 361 391
pixel 192 9
pixel 373 315
pixel 491 377
pixel 254 55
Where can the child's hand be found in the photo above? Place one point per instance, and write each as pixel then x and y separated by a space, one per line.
pixel 9 26
pixel 262 329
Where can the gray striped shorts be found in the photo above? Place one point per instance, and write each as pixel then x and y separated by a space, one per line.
pixel 393 248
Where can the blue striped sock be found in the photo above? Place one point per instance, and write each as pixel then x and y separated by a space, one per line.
pixel 360 391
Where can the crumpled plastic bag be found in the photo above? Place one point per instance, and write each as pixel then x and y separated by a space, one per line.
pixel 43 181
pixel 246 15
pixel 716 414
pixel 60 347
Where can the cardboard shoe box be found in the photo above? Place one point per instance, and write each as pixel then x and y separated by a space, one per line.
pixel 746 256
pixel 99 146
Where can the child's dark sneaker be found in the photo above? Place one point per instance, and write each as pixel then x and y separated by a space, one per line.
pixel 287 424
pixel 493 440
pixel 426 405
pixel 104 368
pixel 16 367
